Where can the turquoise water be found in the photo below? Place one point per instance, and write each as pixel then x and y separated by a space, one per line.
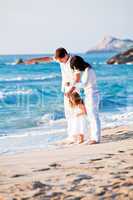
pixel 31 103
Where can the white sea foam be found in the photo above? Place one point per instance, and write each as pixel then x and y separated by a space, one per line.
pixel 99 63
pixel 19 92
pixel 9 63
pixel 29 78
pixel 129 63
pixel 34 132
pixel 51 128
pixel 4 94
pixel 1 95
pixel 115 78
pixel 107 119
pixel 112 120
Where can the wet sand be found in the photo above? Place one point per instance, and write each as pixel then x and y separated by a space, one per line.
pixel 72 172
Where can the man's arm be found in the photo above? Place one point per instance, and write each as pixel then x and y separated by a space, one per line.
pixel 76 80
pixel 39 60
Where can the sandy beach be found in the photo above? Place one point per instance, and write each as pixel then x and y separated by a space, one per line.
pixel 72 172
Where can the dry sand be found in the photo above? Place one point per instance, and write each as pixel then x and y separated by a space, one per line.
pixel 72 172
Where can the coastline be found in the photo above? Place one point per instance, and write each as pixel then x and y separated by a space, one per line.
pixel 72 171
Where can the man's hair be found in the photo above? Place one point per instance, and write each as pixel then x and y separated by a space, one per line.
pixel 60 53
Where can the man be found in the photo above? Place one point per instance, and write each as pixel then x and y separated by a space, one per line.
pixel 63 58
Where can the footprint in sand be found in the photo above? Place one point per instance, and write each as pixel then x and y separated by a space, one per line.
pixel 41 170
pixel 55 165
pixel 38 184
pixel 129 168
pixel 83 163
pixel 99 167
pixel 18 175
pixel 81 177
pixel 95 159
pixel 120 151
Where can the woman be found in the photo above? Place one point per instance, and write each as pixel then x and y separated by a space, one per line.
pixel 85 78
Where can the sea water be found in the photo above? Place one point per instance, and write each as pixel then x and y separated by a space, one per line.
pixel 31 102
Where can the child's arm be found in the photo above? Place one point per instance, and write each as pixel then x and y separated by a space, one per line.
pixel 83 110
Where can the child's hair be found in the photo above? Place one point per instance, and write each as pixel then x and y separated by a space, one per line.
pixel 75 99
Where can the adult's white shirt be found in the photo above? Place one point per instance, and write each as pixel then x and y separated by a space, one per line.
pixel 67 74
pixel 87 80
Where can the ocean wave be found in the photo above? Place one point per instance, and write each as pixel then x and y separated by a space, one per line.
pixel 1 95
pixel 54 117
pixel 47 118
pixel 109 120
pixel 35 78
pixel 99 63
pixel 10 63
pixel 59 126
pixel 35 132
pixel 105 63
pixel 114 78
pixel 17 92
pixel 130 63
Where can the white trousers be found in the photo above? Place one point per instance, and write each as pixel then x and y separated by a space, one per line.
pixel 92 100
pixel 66 107
pixel 67 112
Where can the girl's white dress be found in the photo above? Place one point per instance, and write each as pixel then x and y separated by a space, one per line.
pixel 78 124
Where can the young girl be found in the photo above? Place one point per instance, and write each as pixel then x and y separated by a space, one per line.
pixel 78 121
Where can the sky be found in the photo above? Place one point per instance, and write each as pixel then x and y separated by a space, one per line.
pixel 41 26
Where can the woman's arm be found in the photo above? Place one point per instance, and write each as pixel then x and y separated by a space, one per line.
pixel 39 60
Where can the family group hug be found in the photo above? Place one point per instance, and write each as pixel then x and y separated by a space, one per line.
pixel 81 111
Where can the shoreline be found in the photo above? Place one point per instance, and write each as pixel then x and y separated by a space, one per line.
pixel 72 171
pixel 27 140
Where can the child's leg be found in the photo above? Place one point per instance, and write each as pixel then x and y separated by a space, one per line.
pixel 72 139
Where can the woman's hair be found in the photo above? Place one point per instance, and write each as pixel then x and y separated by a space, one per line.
pixel 78 63
pixel 60 53
pixel 75 99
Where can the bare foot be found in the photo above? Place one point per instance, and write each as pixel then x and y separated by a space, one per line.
pixel 80 139
pixel 93 142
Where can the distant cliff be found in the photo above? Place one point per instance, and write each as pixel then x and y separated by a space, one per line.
pixel 112 44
